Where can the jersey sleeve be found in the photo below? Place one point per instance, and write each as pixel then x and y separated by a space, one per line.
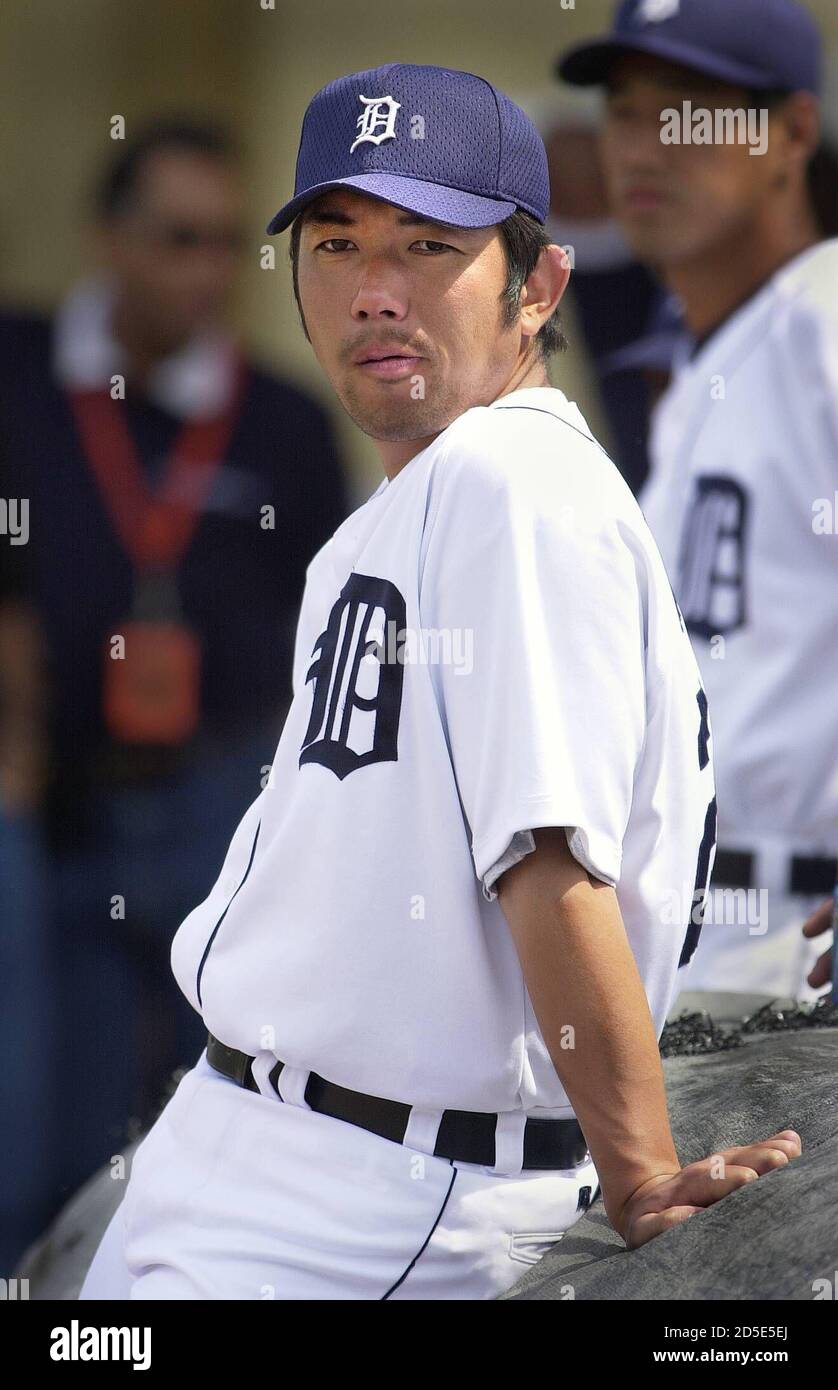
pixel 528 574
pixel 804 361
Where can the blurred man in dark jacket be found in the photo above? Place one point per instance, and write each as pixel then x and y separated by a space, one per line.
pixel 176 494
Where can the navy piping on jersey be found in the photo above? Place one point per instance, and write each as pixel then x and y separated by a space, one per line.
pixel 224 913
pixel 424 1245
pixel 539 411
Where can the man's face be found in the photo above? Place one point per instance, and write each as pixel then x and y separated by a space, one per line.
pixel 175 251
pixel 375 279
pixel 676 201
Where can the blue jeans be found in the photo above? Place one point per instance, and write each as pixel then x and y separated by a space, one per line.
pixel 27 1039
pixel 124 1025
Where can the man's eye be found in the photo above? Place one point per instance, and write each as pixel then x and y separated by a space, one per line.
pixel 435 247
pixel 620 104
pixel 333 244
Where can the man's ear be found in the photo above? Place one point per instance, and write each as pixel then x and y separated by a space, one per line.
pixel 543 289
pixel 800 120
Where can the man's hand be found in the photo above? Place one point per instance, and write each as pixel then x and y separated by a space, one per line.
pixel 669 1199
pixel 593 1013
pixel 819 922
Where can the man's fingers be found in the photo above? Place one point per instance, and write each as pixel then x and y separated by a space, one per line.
pixel 821 972
pixel 654 1223
pixel 787 1142
pixel 670 1201
pixel 697 1186
pixel 720 1174
pixel 764 1158
pixel 702 1184
pixel 820 920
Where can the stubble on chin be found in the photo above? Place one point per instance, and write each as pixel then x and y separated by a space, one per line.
pixel 397 419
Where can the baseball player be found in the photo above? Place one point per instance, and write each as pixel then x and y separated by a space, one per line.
pixel 442 945
pixel 741 495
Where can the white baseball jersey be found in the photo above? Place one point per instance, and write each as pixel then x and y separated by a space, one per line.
pixel 742 500
pixel 489 644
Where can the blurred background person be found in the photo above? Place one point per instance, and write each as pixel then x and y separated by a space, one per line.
pixel 177 492
pixel 611 295
pixel 626 319
pixel 744 441
pixel 27 980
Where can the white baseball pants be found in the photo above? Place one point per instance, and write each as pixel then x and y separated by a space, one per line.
pixel 239 1195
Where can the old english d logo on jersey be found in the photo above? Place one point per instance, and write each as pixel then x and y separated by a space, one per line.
pixel 712 558
pixel 357 696
pixel 377 121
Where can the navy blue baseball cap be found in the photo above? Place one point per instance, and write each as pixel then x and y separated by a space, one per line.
pixel 444 144
pixel 758 44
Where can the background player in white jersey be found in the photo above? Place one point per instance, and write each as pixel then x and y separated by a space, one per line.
pixel 446 934
pixel 711 121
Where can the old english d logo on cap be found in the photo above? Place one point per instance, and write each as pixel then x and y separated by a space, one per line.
pixel 377 121
pixel 655 11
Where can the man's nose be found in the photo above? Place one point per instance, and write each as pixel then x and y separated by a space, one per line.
pixel 381 293
pixel 640 147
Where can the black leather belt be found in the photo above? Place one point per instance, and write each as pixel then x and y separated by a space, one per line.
pixel 808 875
pixel 466 1136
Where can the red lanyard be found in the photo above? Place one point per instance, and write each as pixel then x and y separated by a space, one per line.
pixel 155 530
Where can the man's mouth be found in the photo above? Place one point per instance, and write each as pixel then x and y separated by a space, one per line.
pixel 391 366
pixel 643 197
pixel 387 363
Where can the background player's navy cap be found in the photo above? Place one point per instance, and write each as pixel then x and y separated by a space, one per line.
pixel 444 144
pixel 750 43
